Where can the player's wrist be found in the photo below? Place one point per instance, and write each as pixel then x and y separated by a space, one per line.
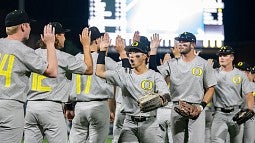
pixel 203 105
pixel 101 57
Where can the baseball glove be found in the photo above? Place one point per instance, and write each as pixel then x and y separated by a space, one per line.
pixel 189 111
pixel 151 101
pixel 243 115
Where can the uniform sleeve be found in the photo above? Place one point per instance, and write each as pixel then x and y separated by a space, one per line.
pixel 110 64
pixel 246 85
pixel 115 77
pixel 33 61
pixel 164 69
pixel 161 84
pixel 75 64
pixel 209 76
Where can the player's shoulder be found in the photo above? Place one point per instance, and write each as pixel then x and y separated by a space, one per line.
pixel 201 60
pixel 16 47
pixel 237 71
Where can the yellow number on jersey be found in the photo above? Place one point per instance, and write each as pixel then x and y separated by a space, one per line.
pixel 6 68
pixel 37 83
pixel 87 85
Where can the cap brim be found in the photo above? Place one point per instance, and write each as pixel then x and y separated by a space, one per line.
pixel 182 39
pixel 130 48
pixel 223 53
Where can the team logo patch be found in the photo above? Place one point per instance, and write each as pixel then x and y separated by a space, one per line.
pixel 237 79
pixel 240 64
pixel 197 71
pixel 147 85
pixel 135 44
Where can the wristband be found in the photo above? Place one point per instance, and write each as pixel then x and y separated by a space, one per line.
pixel 203 104
pixel 125 63
pixel 167 97
pixel 101 57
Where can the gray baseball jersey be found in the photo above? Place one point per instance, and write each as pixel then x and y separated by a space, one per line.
pixel 230 87
pixel 55 89
pixel 188 79
pixel 92 87
pixel 135 86
pixel 17 61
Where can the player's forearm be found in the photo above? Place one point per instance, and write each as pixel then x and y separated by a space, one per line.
pixel 52 69
pixel 208 95
pixel 88 61
pixel 100 67
pixel 112 104
pixel 123 54
pixel 153 63
pixel 250 101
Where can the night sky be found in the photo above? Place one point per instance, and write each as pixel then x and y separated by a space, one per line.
pixel 239 20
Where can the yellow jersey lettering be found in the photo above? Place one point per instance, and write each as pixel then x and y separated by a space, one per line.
pixel 37 83
pixel 9 60
pixel 197 71
pixel 147 85
pixel 87 84
pixel 236 79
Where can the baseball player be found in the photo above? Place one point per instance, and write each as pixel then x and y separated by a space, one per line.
pixel 92 116
pixel 249 126
pixel 164 113
pixel 44 112
pixel 136 82
pixel 192 81
pixel 119 115
pixel 232 84
pixel 17 62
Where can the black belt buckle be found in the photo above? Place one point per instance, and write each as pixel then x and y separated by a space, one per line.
pixel 227 110
pixel 138 118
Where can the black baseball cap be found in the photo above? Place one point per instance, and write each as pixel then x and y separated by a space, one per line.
pixel 16 17
pixel 95 33
pixel 226 50
pixel 145 40
pixel 59 28
pixel 186 37
pixel 137 46
pixel 243 66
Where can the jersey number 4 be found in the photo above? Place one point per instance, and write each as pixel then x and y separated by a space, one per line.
pixel 6 68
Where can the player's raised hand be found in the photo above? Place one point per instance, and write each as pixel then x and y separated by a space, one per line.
pixel 155 41
pixel 154 44
pixel 167 57
pixel 48 36
pixel 120 46
pixel 136 37
pixel 85 37
pixel 196 52
pixel 176 51
pixel 105 42
pixel 210 61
